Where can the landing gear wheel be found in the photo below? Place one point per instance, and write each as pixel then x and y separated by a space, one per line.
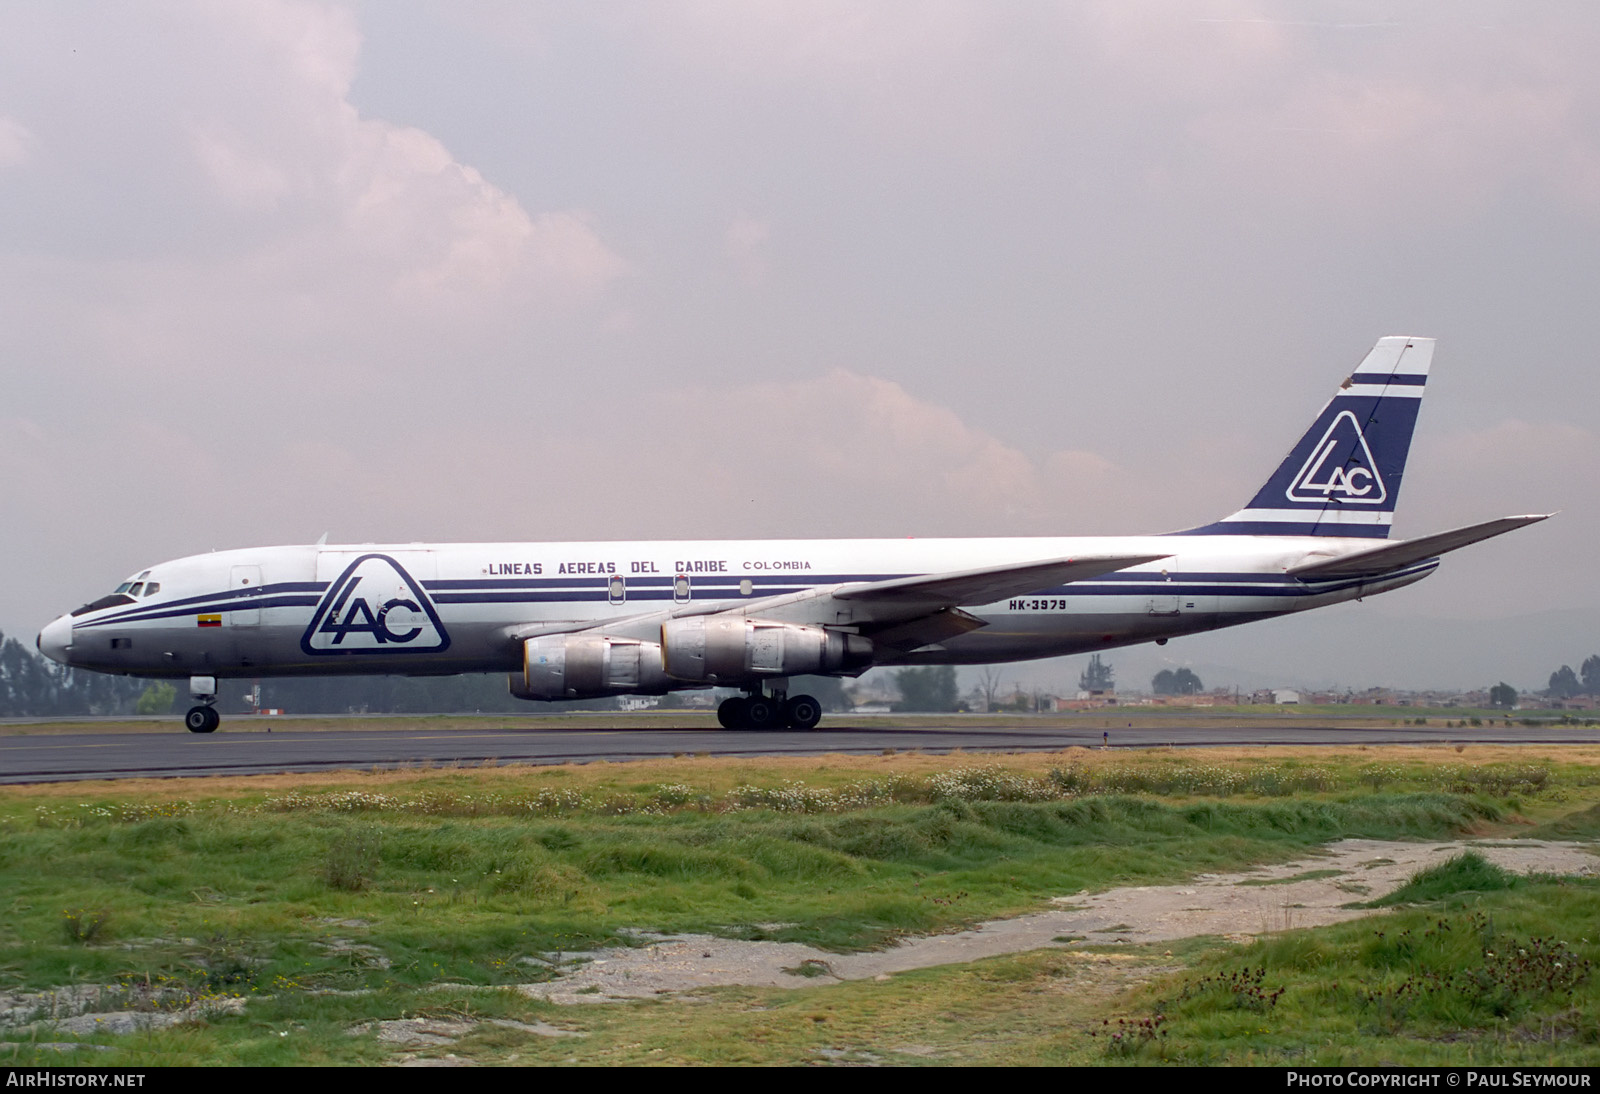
pixel 760 713
pixel 730 714
pixel 202 720
pixel 802 712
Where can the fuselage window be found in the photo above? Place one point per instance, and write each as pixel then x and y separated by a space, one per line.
pixel 680 588
pixel 616 591
pixel 122 643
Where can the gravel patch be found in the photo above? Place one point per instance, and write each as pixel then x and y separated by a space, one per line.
pixel 435 1032
pixel 110 1008
pixel 1237 906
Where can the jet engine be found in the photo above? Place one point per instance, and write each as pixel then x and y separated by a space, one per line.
pixel 588 666
pixel 733 650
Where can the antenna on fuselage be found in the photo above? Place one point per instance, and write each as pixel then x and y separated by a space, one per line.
pixel 323 542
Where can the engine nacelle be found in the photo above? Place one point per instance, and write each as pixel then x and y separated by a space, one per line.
pixel 588 666
pixel 731 650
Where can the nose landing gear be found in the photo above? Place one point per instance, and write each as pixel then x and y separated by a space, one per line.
pixel 203 718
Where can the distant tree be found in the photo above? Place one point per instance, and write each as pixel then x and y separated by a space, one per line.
pixel 1591 675
pixel 31 687
pixel 1564 684
pixel 929 689
pixel 827 690
pixel 1503 695
pixel 157 699
pixel 463 694
pixel 1179 682
pixel 27 686
pixel 1019 701
pixel 989 686
pixel 1097 676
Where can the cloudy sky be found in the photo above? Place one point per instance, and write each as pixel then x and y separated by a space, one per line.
pixel 481 271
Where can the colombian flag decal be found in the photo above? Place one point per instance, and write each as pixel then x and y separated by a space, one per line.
pixel 208 620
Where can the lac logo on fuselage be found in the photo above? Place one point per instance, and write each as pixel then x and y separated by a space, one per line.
pixel 374 607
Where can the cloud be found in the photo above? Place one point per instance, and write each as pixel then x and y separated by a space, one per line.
pixel 373 197
pixel 839 454
pixel 15 142
pixel 1517 466
pixel 745 245
pixel 260 224
pixel 1430 113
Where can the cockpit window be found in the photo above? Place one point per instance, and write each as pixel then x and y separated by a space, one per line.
pixel 124 587
pixel 110 601
pixel 134 591
pixel 152 589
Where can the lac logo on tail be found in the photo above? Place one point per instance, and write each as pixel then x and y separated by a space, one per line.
pixel 1340 468
pixel 375 607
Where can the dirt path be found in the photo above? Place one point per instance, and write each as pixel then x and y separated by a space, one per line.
pixel 1308 892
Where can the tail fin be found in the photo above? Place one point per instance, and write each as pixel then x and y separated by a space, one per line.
pixel 1343 477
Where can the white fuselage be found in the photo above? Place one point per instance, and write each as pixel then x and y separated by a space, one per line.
pixel 454 608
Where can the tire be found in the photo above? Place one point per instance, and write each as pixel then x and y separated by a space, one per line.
pixel 730 713
pixel 802 712
pixel 202 720
pixel 760 713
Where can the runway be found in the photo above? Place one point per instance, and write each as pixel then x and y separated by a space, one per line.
pixel 170 752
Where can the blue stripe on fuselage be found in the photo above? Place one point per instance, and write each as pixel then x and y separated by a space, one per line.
pixel 170 611
pixel 569 590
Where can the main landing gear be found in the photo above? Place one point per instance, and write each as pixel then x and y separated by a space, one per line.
pixel 203 718
pixel 777 711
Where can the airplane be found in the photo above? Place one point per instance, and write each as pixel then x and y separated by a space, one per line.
pixel 586 620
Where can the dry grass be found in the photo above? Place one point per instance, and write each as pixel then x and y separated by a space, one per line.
pixel 719 774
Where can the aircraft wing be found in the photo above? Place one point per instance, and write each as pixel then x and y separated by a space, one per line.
pixel 962 588
pixel 900 612
pixel 1392 556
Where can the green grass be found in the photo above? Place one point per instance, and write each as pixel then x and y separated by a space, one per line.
pixel 1495 978
pixel 465 897
pixel 456 879
pixel 1464 874
pixel 1582 825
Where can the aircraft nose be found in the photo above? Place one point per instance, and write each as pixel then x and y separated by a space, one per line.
pixel 55 641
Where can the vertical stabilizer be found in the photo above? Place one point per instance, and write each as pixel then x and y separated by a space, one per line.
pixel 1343 477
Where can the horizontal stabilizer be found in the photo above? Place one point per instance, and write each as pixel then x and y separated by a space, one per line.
pixel 964 588
pixel 1392 556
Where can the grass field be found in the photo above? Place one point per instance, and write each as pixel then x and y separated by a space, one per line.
pixel 327 902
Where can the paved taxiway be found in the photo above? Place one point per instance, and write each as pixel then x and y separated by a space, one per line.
pixel 172 752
